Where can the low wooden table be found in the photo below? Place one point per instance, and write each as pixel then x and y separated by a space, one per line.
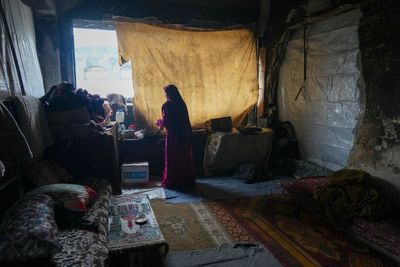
pixel 125 236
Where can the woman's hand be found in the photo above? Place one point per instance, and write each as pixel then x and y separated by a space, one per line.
pixel 160 123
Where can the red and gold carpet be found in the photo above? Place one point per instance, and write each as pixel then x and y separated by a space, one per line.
pixel 294 235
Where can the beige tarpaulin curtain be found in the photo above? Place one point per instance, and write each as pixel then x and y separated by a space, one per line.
pixel 215 71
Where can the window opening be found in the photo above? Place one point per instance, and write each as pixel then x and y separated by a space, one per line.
pixel 96 63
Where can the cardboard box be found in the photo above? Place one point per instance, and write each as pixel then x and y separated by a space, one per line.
pixel 135 173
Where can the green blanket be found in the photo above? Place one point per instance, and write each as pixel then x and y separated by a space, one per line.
pixel 352 193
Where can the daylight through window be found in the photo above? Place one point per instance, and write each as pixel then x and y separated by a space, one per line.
pixel 96 62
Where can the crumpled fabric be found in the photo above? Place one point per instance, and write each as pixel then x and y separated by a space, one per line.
pixel 64 97
pixel 352 193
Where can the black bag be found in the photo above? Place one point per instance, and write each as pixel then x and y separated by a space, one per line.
pixel 285 143
pixel 221 124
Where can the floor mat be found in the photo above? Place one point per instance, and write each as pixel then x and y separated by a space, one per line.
pixel 227 187
pixel 189 195
pixel 152 193
pixel 214 188
pixel 188 227
pixel 295 236
pixel 232 255
pixel 210 188
pixel 152 189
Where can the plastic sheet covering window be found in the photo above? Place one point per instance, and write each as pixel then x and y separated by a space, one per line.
pixel 326 112
pixel 9 82
pixel 20 21
pixel 215 71
pixel 4 84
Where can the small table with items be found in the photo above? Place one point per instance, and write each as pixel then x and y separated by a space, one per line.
pixel 133 229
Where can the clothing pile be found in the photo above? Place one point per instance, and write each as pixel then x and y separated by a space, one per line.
pixel 64 97
pixel 350 194
pixel 73 114
pixel 82 146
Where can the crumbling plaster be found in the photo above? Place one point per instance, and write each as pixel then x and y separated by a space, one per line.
pixel 377 146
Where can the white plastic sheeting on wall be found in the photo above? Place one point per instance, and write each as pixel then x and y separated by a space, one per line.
pixel 328 108
pixel 20 21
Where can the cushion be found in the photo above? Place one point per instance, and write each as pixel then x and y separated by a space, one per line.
pixel 14 147
pixel 29 231
pixel 74 197
pixel 33 123
pixel 74 241
pixel 46 171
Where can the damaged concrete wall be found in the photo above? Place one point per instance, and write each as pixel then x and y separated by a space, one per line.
pixel 328 108
pixel 377 146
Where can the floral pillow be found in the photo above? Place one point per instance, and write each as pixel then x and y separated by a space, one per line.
pixel 74 197
pixel 29 230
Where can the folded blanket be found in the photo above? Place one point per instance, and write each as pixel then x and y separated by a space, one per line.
pixel 14 147
pixel 350 194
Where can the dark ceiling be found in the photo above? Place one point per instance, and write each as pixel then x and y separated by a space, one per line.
pixel 189 12
pixel 221 5
pixel 241 11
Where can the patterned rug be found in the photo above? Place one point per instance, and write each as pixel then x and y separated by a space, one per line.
pixel 188 227
pixel 295 236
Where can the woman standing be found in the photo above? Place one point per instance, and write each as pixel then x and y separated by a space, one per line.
pixel 179 168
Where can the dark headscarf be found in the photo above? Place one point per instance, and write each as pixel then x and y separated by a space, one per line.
pixel 180 122
pixel 173 94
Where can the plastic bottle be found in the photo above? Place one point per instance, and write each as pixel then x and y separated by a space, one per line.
pixel 120 116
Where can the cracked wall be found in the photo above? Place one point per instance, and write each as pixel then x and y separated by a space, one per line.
pixel 377 146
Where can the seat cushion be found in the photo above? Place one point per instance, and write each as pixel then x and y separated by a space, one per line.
pixel 33 123
pixel 14 146
pixel 82 247
pixel 29 230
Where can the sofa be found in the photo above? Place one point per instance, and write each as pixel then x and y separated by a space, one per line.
pixel 33 218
